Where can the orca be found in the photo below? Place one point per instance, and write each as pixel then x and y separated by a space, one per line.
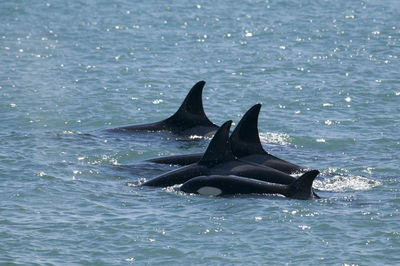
pixel 190 119
pixel 223 185
pixel 217 151
pixel 245 145
pixel 219 160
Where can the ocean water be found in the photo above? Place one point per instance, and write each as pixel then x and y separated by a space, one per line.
pixel 326 73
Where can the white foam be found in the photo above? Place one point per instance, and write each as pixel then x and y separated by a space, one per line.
pixel 341 183
pixel 173 188
pixel 209 191
pixel 195 137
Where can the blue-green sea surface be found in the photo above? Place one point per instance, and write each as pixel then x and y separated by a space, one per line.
pixel 326 73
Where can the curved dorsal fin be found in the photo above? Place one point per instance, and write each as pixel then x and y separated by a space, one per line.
pixel 191 112
pixel 245 139
pixel 219 149
pixel 301 188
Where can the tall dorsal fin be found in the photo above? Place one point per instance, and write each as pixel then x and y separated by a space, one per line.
pixel 191 112
pixel 219 149
pixel 245 139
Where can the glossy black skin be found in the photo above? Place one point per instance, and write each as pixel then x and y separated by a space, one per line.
pixel 235 167
pixel 245 145
pixel 219 160
pixel 190 118
pixel 184 159
pixel 232 185
pixel 261 159
pixel 274 162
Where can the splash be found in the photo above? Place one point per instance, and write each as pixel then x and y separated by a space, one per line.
pixel 195 137
pixel 173 189
pixel 343 183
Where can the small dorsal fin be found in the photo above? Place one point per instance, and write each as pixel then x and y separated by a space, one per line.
pixel 302 187
pixel 191 112
pixel 245 139
pixel 219 149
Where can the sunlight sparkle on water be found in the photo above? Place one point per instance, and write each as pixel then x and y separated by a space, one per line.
pixel 270 137
pixel 340 183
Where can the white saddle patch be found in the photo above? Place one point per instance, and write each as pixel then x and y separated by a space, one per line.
pixel 209 191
